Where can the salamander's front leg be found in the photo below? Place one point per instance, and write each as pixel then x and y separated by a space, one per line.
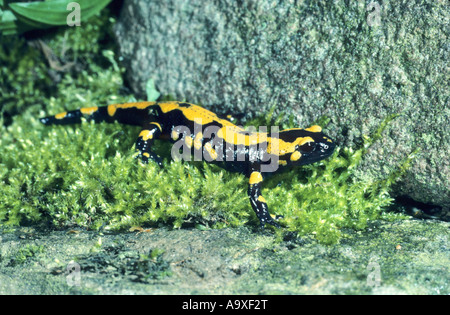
pixel 145 141
pixel 257 201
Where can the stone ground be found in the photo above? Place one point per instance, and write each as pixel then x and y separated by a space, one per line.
pixel 402 257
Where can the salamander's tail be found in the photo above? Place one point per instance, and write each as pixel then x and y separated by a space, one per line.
pixel 128 113
pixel 96 114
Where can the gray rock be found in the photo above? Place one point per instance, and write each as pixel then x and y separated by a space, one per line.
pixel 352 61
pixel 404 257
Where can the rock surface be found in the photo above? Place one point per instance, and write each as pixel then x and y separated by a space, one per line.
pixel 405 257
pixel 353 61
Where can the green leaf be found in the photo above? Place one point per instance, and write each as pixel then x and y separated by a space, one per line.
pixel 152 92
pixel 53 13
pixel 7 22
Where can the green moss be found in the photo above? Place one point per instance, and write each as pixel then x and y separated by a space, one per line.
pixel 25 253
pixel 88 176
pixel 24 80
pixel 117 260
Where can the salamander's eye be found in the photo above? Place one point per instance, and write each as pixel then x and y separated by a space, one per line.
pixel 307 147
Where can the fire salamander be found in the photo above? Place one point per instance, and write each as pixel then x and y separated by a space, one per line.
pixel 195 130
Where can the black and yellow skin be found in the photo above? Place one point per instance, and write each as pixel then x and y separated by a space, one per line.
pixel 230 146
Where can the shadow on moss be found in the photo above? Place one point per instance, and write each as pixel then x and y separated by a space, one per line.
pixel 117 261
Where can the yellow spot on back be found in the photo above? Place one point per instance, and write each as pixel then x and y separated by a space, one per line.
pixel 304 140
pixel 175 135
pixel 61 115
pixel 168 106
pixel 139 105
pixel 146 154
pixel 280 147
pixel 188 140
pixel 314 128
pixel 194 113
pixel 238 136
pixel 88 110
pixel 295 156
pixel 262 199
pixel 198 141
pixel 255 178
pixel 111 110
pixel 146 134
pixel 212 153
pixel 208 146
pixel 157 125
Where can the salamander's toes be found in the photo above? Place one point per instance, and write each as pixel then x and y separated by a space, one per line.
pixel 270 220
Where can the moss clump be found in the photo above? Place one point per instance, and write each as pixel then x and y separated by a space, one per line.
pixel 88 176
pixel 25 253
pixel 24 80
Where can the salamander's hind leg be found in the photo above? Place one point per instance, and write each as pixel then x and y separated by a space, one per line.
pixel 257 201
pixel 147 136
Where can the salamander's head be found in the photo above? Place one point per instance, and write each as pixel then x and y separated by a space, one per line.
pixel 304 146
